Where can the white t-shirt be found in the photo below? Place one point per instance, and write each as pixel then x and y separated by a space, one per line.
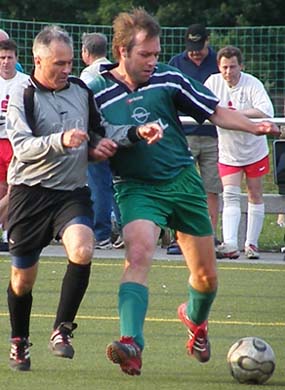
pixel 6 89
pixel 239 148
pixel 91 71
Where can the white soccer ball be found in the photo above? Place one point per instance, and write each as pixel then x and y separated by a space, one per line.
pixel 251 360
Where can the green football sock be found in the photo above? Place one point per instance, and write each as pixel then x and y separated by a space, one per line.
pixel 199 305
pixel 133 303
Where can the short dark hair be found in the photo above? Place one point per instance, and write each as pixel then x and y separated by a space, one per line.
pixel 229 52
pixel 95 44
pixel 8 44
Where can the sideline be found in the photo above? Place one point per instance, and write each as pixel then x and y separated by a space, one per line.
pixel 160 254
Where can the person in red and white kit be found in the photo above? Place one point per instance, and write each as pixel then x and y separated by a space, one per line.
pixel 240 153
pixel 9 78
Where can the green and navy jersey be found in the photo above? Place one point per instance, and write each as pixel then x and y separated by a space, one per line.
pixel 158 100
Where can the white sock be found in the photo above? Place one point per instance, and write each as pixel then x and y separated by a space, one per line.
pixel 231 220
pixel 255 217
pixel 231 214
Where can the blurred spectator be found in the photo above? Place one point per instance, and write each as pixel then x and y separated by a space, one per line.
pixel 240 153
pixel 199 61
pixel 100 180
pixel 9 79
pixel 3 36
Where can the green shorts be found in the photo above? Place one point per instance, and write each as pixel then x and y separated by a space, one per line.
pixel 180 204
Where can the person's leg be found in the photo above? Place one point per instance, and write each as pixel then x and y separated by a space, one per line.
pixel 255 216
pixel 208 167
pixel 231 215
pixel 3 204
pixel 79 244
pixel 6 153
pixel 100 184
pixel 19 297
pixel 4 246
pixel 117 226
pixel 254 173
pixel 194 142
pixel 214 207
pixel 200 258
pixel 140 240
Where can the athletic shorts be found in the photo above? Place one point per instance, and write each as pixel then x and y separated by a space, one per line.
pixel 256 169
pixel 6 153
pixel 37 215
pixel 180 204
pixel 205 152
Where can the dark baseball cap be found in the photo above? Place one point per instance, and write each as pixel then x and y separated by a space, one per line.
pixel 195 37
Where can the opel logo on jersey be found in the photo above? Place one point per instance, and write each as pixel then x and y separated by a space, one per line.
pixel 140 115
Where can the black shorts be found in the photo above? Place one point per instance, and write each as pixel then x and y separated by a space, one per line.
pixel 37 215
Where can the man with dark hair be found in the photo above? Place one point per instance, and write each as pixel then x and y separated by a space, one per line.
pixel 241 154
pixel 49 197
pixel 3 36
pixel 158 185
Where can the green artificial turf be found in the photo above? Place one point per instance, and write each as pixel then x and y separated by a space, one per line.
pixel 250 302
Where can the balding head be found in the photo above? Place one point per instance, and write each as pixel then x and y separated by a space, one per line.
pixel 3 35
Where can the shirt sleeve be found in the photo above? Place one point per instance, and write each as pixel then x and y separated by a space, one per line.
pixel 27 147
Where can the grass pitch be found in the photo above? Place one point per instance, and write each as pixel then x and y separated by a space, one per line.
pixel 250 302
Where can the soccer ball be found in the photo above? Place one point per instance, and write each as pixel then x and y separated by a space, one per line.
pixel 251 360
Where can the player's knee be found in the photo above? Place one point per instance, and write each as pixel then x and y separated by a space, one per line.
pixel 231 196
pixel 81 253
pixel 21 285
pixel 206 282
pixel 210 282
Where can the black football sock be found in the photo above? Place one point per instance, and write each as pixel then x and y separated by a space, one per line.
pixel 74 285
pixel 20 310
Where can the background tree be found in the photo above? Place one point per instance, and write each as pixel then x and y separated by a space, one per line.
pixel 229 13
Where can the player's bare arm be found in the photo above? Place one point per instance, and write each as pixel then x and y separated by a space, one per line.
pixel 234 120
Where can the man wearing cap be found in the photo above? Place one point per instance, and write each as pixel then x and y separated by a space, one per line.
pixel 199 61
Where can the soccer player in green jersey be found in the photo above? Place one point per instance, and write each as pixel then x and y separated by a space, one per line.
pixel 158 185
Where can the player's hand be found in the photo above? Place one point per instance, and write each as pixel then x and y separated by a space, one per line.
pixel 268 128
pixel 104 149
pixel 151 132
pixel 73 138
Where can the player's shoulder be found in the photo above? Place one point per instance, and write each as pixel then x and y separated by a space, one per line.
pixel 166 69
pixel 98 83
pixel 250 78
pixel 22 76
pixel 175 59
pixel 21 82
pixel 213 79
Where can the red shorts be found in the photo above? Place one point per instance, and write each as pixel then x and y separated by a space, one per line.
pixel 259 168
pixel 6 153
